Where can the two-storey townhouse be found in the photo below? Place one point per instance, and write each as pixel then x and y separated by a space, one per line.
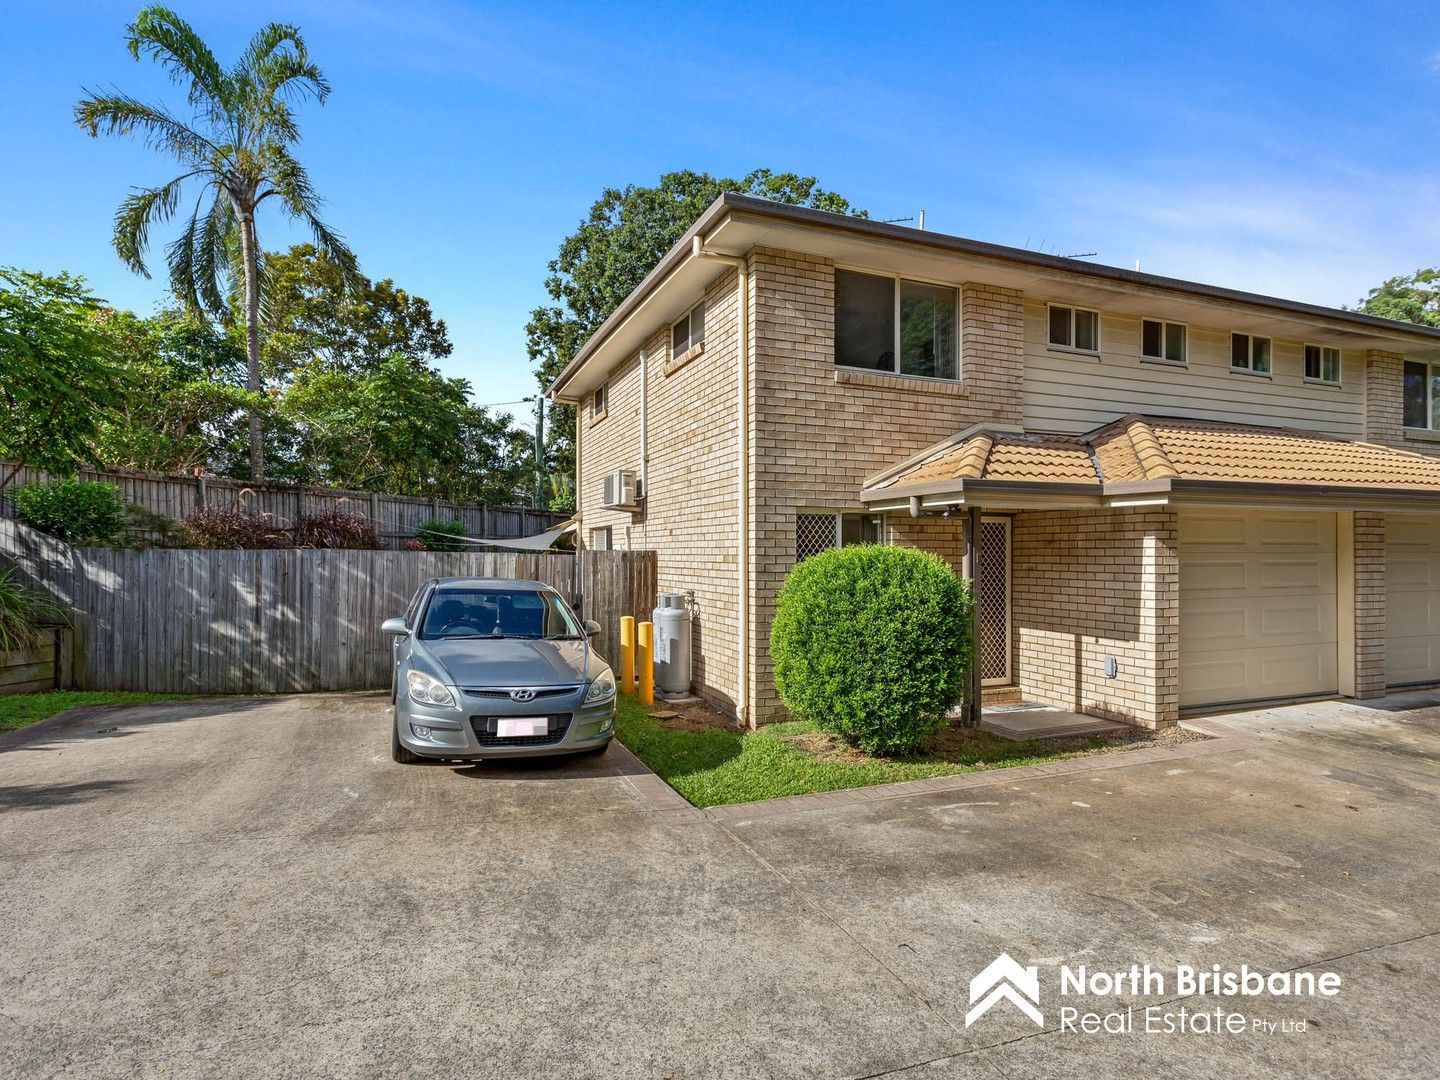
pixel 1179 496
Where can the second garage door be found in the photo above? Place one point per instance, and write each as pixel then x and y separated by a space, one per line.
pixel 1412 599
pixel 1257 606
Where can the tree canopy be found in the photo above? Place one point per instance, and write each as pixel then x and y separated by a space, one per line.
pixel 1411 298
pixel 625 234
pixel 317 314
pixel 57 381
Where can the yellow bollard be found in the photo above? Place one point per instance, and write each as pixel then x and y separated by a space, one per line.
pixel 647 666
pixel 627 653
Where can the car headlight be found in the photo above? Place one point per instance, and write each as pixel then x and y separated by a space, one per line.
pixel 602 689
pixel 427 690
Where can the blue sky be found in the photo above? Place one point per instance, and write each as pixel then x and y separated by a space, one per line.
pixel 1288 148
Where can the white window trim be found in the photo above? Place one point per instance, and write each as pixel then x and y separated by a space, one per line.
pixel 600 401
pixel 686 319
pixel 1431 371
pixel 1073 308
pixel 1145 358
pixel 1320 380
pixel 1250 355
pixel 895 297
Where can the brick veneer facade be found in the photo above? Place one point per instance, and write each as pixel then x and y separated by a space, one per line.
pixel 1092 585
pixel 1086 585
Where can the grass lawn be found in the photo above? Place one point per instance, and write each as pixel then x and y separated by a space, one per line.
pixel 712 765
pixel 18 710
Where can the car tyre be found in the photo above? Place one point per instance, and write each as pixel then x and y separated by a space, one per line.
pixel 400 752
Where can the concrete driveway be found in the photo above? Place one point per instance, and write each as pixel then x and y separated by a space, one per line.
pixel 252 888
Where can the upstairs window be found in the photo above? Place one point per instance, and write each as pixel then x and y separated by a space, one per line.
pixel 1250 353
pixel 688 332
pixel 600 402
pixel 890 324
pixel 1160 340
pixel 1322 363
pixel 1074 328
pixel 1422 395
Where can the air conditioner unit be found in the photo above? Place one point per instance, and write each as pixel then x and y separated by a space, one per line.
pixel 622 490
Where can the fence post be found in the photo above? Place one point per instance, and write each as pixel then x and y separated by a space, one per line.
pixel 200 490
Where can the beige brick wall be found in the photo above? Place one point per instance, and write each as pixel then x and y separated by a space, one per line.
pixel 1385 404
pixel 690 517
pixel 819 430
pixel 1369 533
pixel 1090 585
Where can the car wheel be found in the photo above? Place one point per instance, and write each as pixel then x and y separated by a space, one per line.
pixel 400 752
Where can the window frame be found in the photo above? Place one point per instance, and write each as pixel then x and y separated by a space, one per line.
pixel 600 401
pixel 1250 340
pixel 1072 347
pixel 839 516
pixel 1432 371
pixel 690 340
pixel 1320 379
pixel 1165 324
pixel 607 532
pixel 895 280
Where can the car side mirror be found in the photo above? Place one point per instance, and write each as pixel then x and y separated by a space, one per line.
pixel 394 626
pixel 592 628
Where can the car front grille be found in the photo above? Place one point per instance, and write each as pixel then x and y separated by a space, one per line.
pixel 504 694
pixel 485 728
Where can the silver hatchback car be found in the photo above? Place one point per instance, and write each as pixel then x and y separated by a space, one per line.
pixel 493 668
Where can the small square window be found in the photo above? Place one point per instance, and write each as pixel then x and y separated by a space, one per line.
pixel 1160 340
pixel 1322 363
pixel 600 539
pixel 1074 328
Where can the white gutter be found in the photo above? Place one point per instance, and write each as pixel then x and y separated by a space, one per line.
pixel 742 439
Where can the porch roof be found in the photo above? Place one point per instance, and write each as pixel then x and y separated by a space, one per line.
pixel 1150 460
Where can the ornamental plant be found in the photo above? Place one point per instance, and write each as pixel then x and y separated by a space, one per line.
pixel 81 512
pixel 436 534
pixel 234 527
pixel 336 529
pixel 873 643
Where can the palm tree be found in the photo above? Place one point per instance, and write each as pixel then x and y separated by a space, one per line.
pixel 236 147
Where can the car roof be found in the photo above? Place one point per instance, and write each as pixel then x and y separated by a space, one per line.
pixel 521 584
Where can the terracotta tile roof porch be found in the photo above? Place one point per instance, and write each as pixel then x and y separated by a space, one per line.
pixel 1149 460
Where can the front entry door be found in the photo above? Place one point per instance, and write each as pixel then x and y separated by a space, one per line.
pixel 992 594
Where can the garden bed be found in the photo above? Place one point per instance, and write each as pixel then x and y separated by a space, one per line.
pixel 703 756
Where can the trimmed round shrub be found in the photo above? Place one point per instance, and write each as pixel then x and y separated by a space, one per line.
pixel 81 512
pixel 872 642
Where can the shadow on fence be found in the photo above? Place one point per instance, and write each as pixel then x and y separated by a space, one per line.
pixel 171 620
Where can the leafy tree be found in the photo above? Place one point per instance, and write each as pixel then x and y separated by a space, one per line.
pixel 184 397
pixel 57 383
pixel 404 430
pixel 314 314
pixel 236 147
pixel 1415 298
pixel 626 233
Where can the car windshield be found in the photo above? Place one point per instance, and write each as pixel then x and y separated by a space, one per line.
pixel 498 613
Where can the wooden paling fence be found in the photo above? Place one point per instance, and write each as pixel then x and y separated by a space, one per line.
pixel 397 516
pixel 171 620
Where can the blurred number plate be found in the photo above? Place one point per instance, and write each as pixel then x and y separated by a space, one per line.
pixel 530 725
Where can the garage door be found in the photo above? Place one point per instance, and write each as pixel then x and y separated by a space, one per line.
pixel 1257 606
pixel 1412 599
